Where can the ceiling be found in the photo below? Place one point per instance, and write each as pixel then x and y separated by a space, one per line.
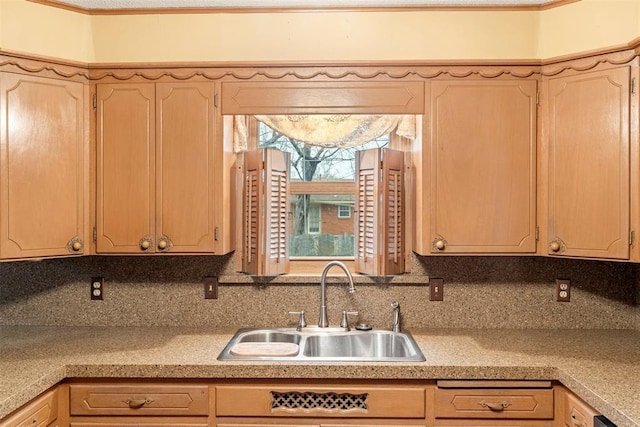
pixel 279 4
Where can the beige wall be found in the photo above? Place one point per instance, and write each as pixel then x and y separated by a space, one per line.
pixel 315 36
pixel 48 31
pixel 587 25
pixel 318 36
pixel 1 19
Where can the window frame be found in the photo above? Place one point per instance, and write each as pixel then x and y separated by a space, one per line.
pixel 340 216
pixel 313 265
pixel 318 207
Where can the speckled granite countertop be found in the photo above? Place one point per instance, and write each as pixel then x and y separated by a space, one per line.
pixel 601 366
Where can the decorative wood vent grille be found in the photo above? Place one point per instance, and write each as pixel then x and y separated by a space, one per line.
pixel 310 400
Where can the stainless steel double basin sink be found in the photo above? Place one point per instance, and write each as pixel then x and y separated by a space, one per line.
pixel 322 344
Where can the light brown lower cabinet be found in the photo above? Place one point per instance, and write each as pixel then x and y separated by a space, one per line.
pixel 494 403
pixel 131 404
pixel 573 411
pixel 320 404
pixel 40 412
pixel 310 403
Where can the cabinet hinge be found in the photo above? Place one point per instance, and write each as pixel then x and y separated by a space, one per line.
pixel 215 234
pixel 537 233
pixel 95 234
pixel 631 236
pixel 537 98
pixel 215 100
pixel 633 85
pixel 95 101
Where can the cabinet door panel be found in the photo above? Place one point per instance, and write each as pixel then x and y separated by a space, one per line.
pixel 43 174
pixel 482 166
pixel 126 155
pixel 494 403
pixel 184 163
pixel 589 164
pixel 140 422
pixel 41 412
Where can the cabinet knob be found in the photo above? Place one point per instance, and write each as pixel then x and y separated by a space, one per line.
pixel 145 243
pixel 75 245
pixel 164 244
pixel 555 246
pixel 439 243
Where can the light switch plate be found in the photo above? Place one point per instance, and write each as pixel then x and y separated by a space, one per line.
pixel 436 289
pixel 211 287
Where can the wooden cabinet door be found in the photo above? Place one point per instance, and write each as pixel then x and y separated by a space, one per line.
pixel 40 412
pixel 44 167
pixel 482 166
pixel 126 168
pixel 589 164
pixel 185 167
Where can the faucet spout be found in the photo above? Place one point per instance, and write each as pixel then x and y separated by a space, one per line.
pixel 395 327
pixel 323 321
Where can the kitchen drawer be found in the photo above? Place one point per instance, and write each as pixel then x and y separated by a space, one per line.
pixel 39 413
pixel 494 403
pixel 314 423
pixel 577 413
pixel 138 399
pixel 141 422
pixel 320 401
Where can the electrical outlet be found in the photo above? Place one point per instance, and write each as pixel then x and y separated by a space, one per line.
pixel 211 287
pixel 436 289
pixel 97 288
pixel 563 290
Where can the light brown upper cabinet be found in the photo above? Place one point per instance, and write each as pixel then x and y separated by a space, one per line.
pixel 588 136
pixel 44 167
pixel 479 176
pixel 155 168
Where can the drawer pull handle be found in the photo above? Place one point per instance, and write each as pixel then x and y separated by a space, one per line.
pixel 137 403
pixel 495 406
pixel 575 421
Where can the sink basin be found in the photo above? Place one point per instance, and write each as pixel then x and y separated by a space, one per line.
pixel 376 345
pixel 322 344
pixel 261 335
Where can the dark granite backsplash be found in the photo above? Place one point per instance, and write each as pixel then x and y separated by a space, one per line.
pixel 488 292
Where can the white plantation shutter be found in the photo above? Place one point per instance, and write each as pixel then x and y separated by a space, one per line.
pixel 251 212
pixel 380 212
pixel 392 210
pixel 266 201
pixel 277 224
pixel 367 181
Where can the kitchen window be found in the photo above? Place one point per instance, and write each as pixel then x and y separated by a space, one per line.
pixel 344 211
pixel 322 180
pixel 325 184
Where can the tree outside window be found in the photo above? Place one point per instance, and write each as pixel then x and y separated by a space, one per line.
pixel 322 191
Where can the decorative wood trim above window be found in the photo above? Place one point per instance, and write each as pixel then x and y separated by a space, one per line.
pixel 21 62
pixel 323 97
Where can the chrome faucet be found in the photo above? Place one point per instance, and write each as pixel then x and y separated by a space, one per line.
pixel 323 321
pixel 395 327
